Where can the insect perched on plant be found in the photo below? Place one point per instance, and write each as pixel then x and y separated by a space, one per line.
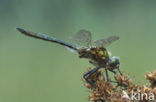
pixel 96 53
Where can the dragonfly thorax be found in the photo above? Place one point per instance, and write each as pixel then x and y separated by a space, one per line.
pixel 97 55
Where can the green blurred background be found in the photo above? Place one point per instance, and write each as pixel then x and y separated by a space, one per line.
pixel 36 71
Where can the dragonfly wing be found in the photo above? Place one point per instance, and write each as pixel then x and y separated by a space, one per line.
pixel 82 38
pixel 105 42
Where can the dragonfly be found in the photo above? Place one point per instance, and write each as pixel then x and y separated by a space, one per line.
pixel 95 51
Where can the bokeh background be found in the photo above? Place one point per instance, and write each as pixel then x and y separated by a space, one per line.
pixel 32 70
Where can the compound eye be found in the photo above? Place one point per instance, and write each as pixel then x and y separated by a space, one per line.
pixel 116 59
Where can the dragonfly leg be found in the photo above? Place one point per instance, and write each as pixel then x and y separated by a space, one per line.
pixel 113 71
pixel 107 78
pixel 119 71
pixel 92 63
pixel 89 73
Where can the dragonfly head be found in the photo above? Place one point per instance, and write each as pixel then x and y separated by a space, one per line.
pixel 114 62
pixel 84 53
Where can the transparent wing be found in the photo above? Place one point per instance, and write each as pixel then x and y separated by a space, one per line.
pixel 105 42
pixel 82 38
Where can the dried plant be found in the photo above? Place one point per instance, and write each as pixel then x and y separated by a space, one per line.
pixel 122 90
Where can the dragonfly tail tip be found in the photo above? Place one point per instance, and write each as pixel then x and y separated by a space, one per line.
pixel 20 30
